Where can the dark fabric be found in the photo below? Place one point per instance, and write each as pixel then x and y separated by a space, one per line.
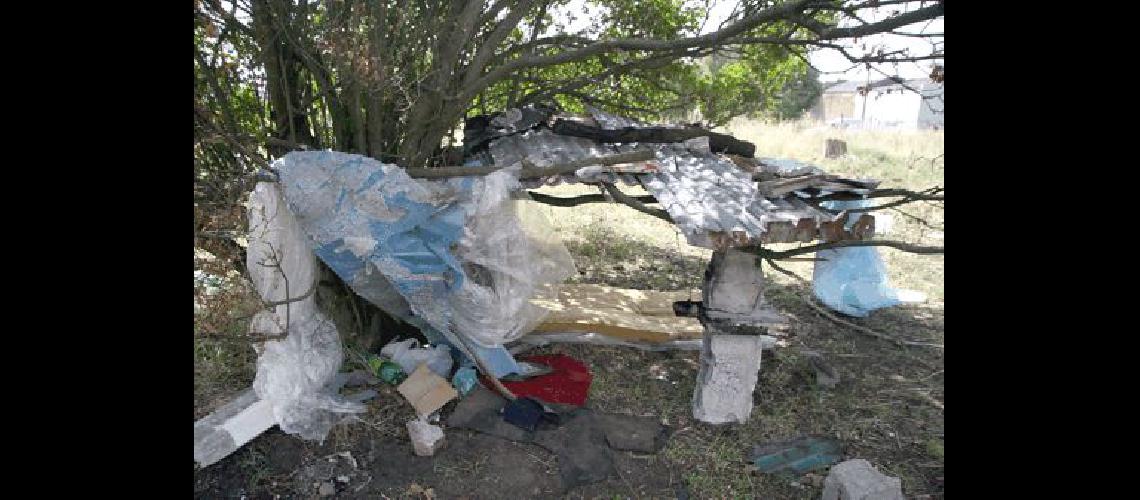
pixel 583 440
pixel 524 413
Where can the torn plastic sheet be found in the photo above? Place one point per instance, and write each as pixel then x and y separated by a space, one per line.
pixel 294 373
pixel 463 254
pixel 853 280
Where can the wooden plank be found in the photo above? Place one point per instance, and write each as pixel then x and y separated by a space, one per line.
pixel 777 188
pixel 531 171
pixel 633 315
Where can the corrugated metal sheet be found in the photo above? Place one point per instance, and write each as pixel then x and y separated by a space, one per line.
pixel 612 122
pixel 542 145
pixel 712 200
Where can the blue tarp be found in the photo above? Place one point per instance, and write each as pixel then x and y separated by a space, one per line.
pixel 379 229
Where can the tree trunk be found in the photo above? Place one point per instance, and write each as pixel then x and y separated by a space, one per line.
pixel 364 127
pixel 282 75
pixel 834 148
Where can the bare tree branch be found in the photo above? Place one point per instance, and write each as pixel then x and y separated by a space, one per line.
pixel 930 194
pixel 559 201
pixel 861 329
pixel 782 11
pixel 634 204
pixel 206 118
pixel 906 247
pixel 918 219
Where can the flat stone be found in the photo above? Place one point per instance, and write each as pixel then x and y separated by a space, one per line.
pixel 734 292
pixel 480 411
pixel 632 433
pixel 857 479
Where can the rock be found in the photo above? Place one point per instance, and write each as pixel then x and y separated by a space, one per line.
pixel 426 438
pixel 816 480
pixel 734 293
pixel 825 374
pixel 632 433
pixel 327 489
pixel 857 479
pixel 728 374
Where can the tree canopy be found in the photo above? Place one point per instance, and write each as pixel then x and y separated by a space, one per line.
pixel 392 79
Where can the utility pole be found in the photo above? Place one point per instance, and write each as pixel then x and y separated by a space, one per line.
pixel 867 87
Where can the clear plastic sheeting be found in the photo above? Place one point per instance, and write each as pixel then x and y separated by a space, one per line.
pixel 513 257
pixel 293 373
pixel 853 280
pixel 464 255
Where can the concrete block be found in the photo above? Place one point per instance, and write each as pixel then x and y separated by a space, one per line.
pixel 728 374
pixel 426 438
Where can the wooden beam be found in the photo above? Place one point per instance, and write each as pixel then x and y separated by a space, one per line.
pixel 573 201
pixel 777 188
pixel 530 171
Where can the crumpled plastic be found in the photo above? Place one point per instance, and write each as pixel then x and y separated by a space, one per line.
pixel 513 257
pixel 853 280
pixel 464 255
pixel 409 356
pixel 293 373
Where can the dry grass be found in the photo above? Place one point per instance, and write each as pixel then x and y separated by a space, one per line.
pixel 901 159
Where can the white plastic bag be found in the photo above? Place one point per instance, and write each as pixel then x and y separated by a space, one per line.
pixel 409 355
pixel 853 280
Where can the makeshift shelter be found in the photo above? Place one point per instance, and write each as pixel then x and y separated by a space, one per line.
pixel 454 252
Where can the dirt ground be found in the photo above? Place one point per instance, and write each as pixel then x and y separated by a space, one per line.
pixel 887 407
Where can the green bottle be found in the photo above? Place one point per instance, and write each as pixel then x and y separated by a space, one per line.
pixel 391 373
pixel 386 370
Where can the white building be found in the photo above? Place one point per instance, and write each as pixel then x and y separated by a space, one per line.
pixel 906 104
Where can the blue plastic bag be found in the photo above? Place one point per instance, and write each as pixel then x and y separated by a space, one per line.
pixel 852 280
